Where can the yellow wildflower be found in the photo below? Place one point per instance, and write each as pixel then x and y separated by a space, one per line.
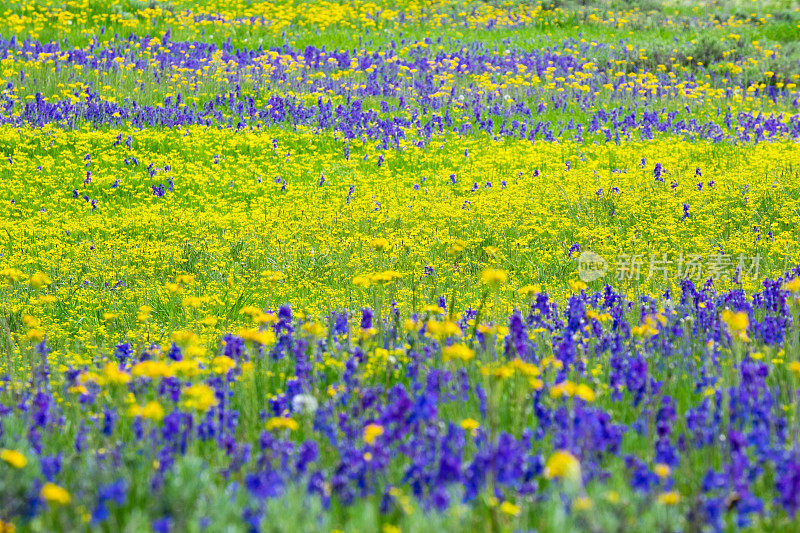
pixel 458 351
pixel 562 464
pixel 151 369
pixel 494 277
pixel 792 285
pixel 372 432
pixel 582 503
pixel 222 364
pixel 577 286
pixel 271 276
pixel 471 425
pixel 39 280
pixel 55 494
pixel 737 322
pixel 35 335
pixel 13 458
pixel 257 336
pixel 362 281
pixel 669 498
pixel 510 508
pixel 12 274
pixel 279 422
pixel 386 276
pixel 199 397
pixel 113 375
pixel 585 393
pixel 560 390
pixel 151 411
pixel 314 329
pixel 442 330
pixel 380 244
pixel 529 290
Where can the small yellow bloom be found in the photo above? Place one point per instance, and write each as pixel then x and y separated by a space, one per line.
pixel 12 274
pixel 152 411
pixel 442 330
pixel 386 276
pixel 186 367
pixel 372 432
pixel 495 277
pixel 662 470
pixel 151 369
pixel 35 335
pixel 737 322
pixel 315 329
pixel 562 464
pixel 362 281
pixel 459 352
pixel 793 285
pixel 39 280
pixel 271 276
pixel 380 244
pixel 582 503
pixel 471 425
pixel 535 383
pixel 648 328
pixel 669 498
pixel 185 279
pixel 55 494
pixel 183 337
pixel 13 458
pixel 193 301
pixel 560 390
pixel 411 325
pixel 279 422
pixel 173 288
pixel 144 313
pixel 585 393
pixel 222 364
pixel 502 372
pixel 193 351
pixel 457 247
pixel 577 286
pixel 257 336
pixel 510 508
pixel 530 290
pixel 199 397
pixel 78 389
pixel 114 376
pixel 209 321
pixel 524 368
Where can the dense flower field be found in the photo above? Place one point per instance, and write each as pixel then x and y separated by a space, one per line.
pixel 399 266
